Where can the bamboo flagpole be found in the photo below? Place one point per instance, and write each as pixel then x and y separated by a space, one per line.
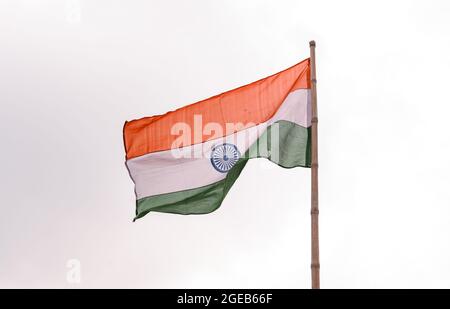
pixel 315 264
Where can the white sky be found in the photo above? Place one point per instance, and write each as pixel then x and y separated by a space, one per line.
pixel 71 72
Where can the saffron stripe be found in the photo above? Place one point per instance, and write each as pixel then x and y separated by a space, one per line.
pixel 254 103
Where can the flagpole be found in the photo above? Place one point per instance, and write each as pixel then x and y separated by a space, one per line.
pixel 315 264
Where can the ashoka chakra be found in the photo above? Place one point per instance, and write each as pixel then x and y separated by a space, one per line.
pixel 224 157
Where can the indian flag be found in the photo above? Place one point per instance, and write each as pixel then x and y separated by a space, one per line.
pixel 187 160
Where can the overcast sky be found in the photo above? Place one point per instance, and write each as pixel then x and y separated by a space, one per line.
pixel 71 73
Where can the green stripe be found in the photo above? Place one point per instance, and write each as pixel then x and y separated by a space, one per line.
pixel 294 151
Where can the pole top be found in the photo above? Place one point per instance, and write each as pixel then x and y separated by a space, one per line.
pixel 312 44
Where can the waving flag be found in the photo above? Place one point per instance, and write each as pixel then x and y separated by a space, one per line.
pixel 186 160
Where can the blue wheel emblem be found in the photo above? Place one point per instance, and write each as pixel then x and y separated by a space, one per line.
pixel 224 157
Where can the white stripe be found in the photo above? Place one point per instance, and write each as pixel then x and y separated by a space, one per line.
pixel 165 172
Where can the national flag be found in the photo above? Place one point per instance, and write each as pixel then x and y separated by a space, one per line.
pixel 186 161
